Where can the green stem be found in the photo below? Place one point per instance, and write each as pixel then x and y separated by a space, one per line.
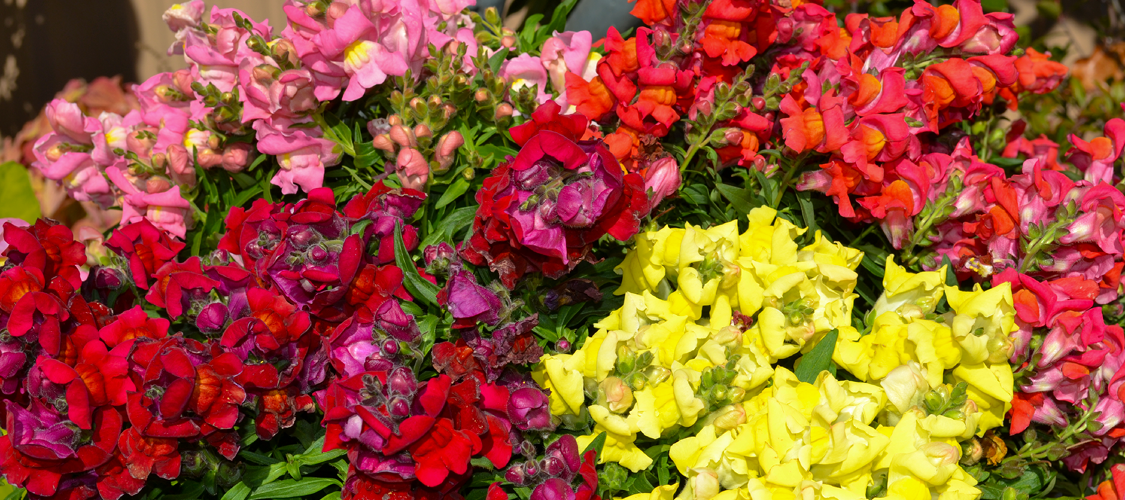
pixel 862 235
pixel 787 178
pixel 692 150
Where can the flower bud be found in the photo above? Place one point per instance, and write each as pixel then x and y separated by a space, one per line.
pixel 236 157
pixel 108 278
pixel 447 148
pixel 758 103
pixel 563 345
pixel 157 184
pixel 508 41
pixel 614 394
pixel 662 178
pixel 703 483
pixel 399 407
pixel 730 416
pixel 402 381
pixel 504 110
pixel 208 158
pixel 515 474
pixel 383 142
pixel 481 95
pixel 412 169
pixel 403 136
pixel 182 80
pixel 283 50
pixel 972 452
pixel 421 130
pixel 212 318
pixel 732 136
pixel 390 347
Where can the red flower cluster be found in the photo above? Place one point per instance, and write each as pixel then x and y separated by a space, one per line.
pixel 543 210
pixel 99 397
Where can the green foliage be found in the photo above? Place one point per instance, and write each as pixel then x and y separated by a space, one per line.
pixel 15 189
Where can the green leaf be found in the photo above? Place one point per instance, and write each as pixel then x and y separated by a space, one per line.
pixel 291 489
pixel 950 276
pixel 257 458
pixel 315 455
pixel 818 359
pixel 15 190
pixel 741 199
pixel 558 18
pixel 449 226
pixel 239 492
pixel 16 493
pixel 257 476
pixel 257 161
pixel 455 190
pixel 597 444
pixel 418 286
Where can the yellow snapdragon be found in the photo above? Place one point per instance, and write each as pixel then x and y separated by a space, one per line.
pixel 969 344
pixel 803 440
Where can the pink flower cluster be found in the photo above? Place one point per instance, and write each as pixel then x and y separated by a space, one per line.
pixel 245 91
pixel 1072 362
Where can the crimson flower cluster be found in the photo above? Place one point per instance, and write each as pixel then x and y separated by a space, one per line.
pixel 543 210
pixel 411 438
pixel 101 391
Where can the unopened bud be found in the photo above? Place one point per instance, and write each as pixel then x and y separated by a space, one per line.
pixel 758 103
pixel 182 79
pixel 614 394
pixel 703 483
pixel 383 142
pixel 108 278
pixel 481 95
pixel 209 158
pixel 733 136
pixel 447 148
pixel 504 110
pixel 730 416
pixel 972 452
pixel 394 120
pixel 159 160
pixel 283 50
pixel 157 184
pixel 508 41
pixel 236 157
pixel 314 9
pixel 402 381
pixel 421 130
pixel 403 136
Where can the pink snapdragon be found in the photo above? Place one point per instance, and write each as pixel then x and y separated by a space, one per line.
pixel 301 152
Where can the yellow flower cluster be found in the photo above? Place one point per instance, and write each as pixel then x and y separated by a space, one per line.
pixel 660 362
pixel 970 343
pixel 708 312
pixel 799 440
